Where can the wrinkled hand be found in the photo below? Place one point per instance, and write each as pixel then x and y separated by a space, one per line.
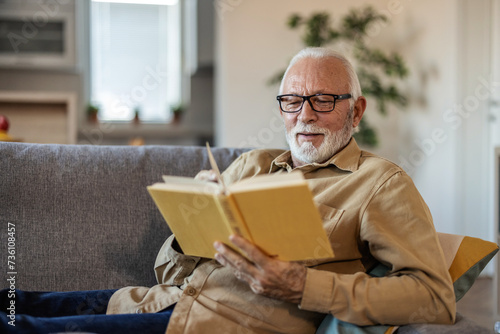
pixel 206 175
pixel 265 276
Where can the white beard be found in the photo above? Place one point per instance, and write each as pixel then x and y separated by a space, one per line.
pixel 333 141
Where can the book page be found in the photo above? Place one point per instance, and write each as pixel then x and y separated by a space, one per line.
pixel 269 181
pixel 284 222
pixel 185 185
pixel 214 166
pixel 196 220
pixel 181 180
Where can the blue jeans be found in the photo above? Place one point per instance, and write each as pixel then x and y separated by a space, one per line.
pixel 79 311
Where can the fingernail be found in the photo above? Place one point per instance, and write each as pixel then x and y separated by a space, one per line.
pixel 218 258
pixel 217 245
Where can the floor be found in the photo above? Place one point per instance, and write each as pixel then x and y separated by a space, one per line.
pixel 477 304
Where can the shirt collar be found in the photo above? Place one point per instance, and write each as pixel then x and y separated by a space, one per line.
pixel 347 159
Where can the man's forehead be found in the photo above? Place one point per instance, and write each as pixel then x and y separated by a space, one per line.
pixel 317 74
pixel 330 64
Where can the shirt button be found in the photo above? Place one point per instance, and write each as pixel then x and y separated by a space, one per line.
pixel 190 291
pixel 138 311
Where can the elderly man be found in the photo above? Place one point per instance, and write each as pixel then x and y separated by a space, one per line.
pixel 372 213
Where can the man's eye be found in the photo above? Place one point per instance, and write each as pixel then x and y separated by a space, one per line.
pixel 324 100
pixel 291 101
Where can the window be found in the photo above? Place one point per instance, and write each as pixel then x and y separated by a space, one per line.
pixel 135 59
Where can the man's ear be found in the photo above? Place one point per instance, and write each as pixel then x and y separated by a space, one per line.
pixel 359 110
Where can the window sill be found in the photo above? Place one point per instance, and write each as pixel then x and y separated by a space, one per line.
pixel 123 132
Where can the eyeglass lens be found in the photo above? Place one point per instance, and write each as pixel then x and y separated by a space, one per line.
pixel 319 103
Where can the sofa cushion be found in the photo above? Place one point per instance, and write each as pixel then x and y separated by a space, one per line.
pixel 462 326
pixel 465 258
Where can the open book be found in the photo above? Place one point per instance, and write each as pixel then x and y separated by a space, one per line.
pixel 276 212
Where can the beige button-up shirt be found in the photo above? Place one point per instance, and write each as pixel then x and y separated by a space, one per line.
pixel 372 213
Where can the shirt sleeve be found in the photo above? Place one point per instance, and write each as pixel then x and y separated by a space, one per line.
pixel 397 228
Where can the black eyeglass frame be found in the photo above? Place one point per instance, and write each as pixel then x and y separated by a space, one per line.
pixel 308 99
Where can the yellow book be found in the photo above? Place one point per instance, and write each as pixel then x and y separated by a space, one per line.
pixel 276 212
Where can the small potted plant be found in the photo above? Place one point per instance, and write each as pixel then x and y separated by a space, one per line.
pixel 92 111
pixel 177 111
pixel 137 113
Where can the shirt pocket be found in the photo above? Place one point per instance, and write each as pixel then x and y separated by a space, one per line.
pixel 331 217
pixel 172 267
pixel 174 273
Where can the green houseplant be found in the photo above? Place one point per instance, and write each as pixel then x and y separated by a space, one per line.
pixel 377 70
pixel 177 111
pixel 92 112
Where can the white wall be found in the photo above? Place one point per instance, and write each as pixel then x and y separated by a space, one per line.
pixel 446 45
pixel 253 42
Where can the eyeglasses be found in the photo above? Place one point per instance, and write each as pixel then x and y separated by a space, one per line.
pixel 319 102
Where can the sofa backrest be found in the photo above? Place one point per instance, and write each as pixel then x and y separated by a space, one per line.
pixel 83 218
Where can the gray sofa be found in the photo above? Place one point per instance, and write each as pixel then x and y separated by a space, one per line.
pixel 83 217
pixel 84 220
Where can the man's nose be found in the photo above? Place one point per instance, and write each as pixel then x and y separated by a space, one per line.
pixel 307 114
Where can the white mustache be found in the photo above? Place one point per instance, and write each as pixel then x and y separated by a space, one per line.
pixel 310 128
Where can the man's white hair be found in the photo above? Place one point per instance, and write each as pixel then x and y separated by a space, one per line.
pixel 325 53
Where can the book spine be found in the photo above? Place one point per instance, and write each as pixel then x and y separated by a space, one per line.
pixel 233 217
